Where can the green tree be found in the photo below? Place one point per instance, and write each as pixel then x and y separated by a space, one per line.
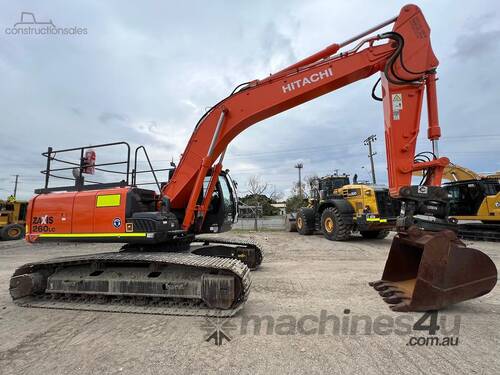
pixel 294 203
pixel 261 195
pixel 261 200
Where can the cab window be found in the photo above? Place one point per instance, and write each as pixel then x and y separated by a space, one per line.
pixel 227 197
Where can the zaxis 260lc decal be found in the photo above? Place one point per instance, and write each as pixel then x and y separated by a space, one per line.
pixel 42 224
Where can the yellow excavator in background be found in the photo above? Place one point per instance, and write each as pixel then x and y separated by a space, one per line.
pixel 473 208
pixel 472 196
pixel 454 172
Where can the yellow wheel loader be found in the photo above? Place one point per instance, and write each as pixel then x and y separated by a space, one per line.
pixel 12 219
pixel 338 208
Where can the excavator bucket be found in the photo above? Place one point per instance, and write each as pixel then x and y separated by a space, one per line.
pixel 431 270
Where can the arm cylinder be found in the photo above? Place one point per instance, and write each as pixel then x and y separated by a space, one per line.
pixel 434 131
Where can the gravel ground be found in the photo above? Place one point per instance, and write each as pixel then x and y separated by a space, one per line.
pixel 302 280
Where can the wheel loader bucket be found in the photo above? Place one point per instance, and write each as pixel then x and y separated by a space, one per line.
pixel 431 270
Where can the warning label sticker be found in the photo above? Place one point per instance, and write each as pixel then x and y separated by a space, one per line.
pixel 397 105
pixel 397 102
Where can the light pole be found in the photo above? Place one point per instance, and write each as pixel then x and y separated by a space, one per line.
pixel 299 166
pixel 368 142
pixel 15 185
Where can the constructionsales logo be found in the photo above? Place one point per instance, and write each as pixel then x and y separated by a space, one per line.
pixel 315 77
pixel 28 24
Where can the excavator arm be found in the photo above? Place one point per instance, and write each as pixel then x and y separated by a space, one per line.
pixel 407 64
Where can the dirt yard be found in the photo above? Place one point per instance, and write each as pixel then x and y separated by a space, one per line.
pixel 305 286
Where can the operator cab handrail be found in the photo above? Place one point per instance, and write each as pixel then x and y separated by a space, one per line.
pixel 77 167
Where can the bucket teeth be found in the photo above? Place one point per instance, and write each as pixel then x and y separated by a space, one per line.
pixel 389 292
pixel 401 307
pixel 394 300
pixel 375 283
pixel 382 287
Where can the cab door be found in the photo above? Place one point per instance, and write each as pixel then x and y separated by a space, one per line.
pixel 230 200
pixel 223 210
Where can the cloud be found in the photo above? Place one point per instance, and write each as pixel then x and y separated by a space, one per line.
pixel 277 48
pixel 106 117
pixel 76 111
pixel 477 45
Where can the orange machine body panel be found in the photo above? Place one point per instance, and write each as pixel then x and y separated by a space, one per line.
pixel 93 212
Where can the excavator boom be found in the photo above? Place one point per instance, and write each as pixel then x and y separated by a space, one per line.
pixel 398 55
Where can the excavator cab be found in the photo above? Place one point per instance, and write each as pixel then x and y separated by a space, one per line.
pixel 223 209
pixel 475 200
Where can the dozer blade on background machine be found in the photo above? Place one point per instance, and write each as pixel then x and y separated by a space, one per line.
pixel 430 271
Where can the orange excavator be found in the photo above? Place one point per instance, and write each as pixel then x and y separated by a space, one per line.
pixel 165 267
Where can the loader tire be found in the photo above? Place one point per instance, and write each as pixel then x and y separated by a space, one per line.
pixel 332 225
pixel 374 234
pixel 12 232
pixel 305 221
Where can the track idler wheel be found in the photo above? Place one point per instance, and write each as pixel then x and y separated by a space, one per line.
pixel 432 270
pixel 218 291
pixel 27 284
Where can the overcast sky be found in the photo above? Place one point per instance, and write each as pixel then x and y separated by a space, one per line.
pixel 146 71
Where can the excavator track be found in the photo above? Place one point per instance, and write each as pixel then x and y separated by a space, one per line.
pixel 143 283
pixel 249 252
pixel 465 231
pixel 479 232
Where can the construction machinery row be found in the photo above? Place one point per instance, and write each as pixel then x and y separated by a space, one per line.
pixel 338 208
